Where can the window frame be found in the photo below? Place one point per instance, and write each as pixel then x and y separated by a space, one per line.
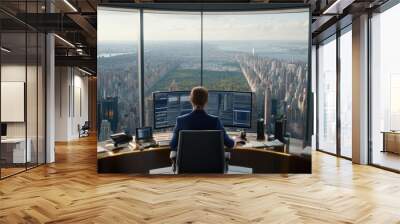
pixel 336 36
pixel 215 7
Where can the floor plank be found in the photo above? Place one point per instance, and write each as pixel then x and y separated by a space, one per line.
pixel 70 191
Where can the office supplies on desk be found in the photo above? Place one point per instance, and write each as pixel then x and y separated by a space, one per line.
pixel 273 143
pixel 280 129
pixel 255 144
pixel 121 138
pixel 145 145
pixel 101 149
pixel 241 142
pixel 260 129
pixel 242 135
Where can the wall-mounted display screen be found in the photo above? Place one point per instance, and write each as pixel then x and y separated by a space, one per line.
pixel 13 101
pixel 230 49
pixel 234 109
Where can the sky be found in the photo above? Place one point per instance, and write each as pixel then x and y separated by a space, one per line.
pixel 124 26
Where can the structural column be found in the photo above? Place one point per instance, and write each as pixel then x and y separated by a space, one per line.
pixel 50 99
pixel 360 90
pixel 50 92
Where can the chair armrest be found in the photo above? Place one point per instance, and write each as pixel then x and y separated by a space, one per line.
pixel 227 155
pixel 172 155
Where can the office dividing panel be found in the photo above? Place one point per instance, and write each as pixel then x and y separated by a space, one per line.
pixel 22 93
pixel 15 151
pixel 145 48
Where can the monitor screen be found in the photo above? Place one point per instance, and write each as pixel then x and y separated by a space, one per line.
pixel 3 129
pixel 234 109
pixel 144 133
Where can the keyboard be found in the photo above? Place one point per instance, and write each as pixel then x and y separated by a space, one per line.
pixel 163 142
pixel 262 144
pixel 148 144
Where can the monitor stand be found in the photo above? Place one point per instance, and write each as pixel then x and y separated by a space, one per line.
pixel 243 134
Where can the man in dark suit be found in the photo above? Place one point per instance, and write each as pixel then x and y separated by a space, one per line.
pixel 198 119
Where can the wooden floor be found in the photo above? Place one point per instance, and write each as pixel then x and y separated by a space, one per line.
pixel 386 159
pixel 70 191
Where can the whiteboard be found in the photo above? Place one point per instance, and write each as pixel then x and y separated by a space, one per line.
pixel 12 101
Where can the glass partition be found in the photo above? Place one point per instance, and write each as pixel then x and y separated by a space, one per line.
pixel 327 96
pixel 15 149
pixel 346 93
pixel 32 98
pixel 385 89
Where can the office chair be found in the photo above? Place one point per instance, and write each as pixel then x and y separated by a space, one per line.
pixel 200 152
pixel 84 129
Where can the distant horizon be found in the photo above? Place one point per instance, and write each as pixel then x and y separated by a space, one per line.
pixel 130 42
pixel 158 26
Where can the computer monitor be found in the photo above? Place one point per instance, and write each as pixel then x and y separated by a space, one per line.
pixel 233 108
pixel 144 133
pixel 3 130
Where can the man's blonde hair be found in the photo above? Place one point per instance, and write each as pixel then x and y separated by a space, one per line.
pixel 199 96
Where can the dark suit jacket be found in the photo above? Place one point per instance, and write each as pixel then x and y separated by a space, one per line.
pixel 198 120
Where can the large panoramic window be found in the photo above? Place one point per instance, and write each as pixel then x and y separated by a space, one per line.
pixel 223 43
pixel 327 96
pixel 117 88
pixel 385 89
pixel 346 93
pixel 172 54
pixel 255 63
pixel 250 51
pixel 233 51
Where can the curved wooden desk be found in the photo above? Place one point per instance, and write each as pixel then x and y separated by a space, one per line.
pixel 262 160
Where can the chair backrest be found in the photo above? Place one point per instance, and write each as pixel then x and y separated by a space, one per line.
pixel 200 151
pixel 86 125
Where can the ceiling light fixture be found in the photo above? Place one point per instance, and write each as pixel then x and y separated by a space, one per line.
pixel 64 40
pixel 333 7
pixel 84 71
pixel 337 7
pixel 5 50
pixel 70 5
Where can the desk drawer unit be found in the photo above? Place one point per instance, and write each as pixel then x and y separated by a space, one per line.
pixel 391 142
pixel 14 152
